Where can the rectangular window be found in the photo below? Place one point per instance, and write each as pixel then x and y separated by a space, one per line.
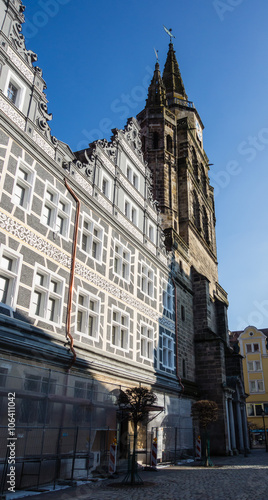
pixel 23 186
pixel 254 366
pixel 147 281
pixel 92 239
pixel 120 329
pixel 105 187
pixel 131 212
pixel 168 352
pixel 10 265
pixel 151 233
pixel 135 181
pixel 252 348
pixel 147 342
pixel 81 412
pixel 88 312
pixel 47 296
pixel 127 209
pixel 133 177
pixel 256 386
pixel 56 211
pixel 250 366
pixel 38 411
pixel 250 410
pixel 15 90
pixel 121 261
pixel 167 296
pixel 12 92
pixel 258 410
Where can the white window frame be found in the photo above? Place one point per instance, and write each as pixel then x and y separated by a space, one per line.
pixel 133 177
pixel 53 207
pixel 252 351
pixel 120 329
pixel 168 295
pixel 254 386
pixel 122 261
pixel 151 232
pixel 11 274
pixel 45 299
pixel 147 341
pixel 107 191
pixel 254 368
pixel 147 280
pixel 131 211
pixel 26 184
pixel 14 80
pixel 168 351
pixel 91 242
pixel 89 318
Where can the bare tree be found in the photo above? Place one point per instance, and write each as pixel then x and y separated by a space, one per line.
pixel 137 403
pixel 206 411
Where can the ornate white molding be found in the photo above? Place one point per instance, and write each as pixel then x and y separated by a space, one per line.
pixel 151 247
pixel 108 164
pixel 83 182
pixel 167 323
pixel 22 67
pixel 42 143
pixel 14 116
pixel 37 242
pixel 132 155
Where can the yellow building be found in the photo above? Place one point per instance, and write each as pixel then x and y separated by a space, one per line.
pixel 253 345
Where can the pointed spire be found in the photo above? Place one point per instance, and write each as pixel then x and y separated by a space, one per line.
pixel 172 76
pixel 156 91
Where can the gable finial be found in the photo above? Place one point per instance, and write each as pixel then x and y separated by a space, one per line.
pixel 169 33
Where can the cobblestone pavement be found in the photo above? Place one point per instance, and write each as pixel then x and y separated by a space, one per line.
pixel 234 478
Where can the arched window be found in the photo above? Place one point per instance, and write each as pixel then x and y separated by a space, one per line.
pixel 169 144
pixel 195 164
pixel 205 225
pixel 196 210
pixel 155 140
pixel 203 181
pixel 143 143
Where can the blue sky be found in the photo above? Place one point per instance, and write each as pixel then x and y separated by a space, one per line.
pixel 97 60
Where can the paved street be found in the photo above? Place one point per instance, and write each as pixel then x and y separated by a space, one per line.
pixel 236 478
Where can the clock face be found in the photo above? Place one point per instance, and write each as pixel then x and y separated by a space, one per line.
pixel 198 130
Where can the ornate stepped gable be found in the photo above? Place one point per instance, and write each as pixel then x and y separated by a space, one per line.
pixel 26 60
pixel 130 141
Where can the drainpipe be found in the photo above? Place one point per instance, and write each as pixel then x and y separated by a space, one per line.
pixel 71 284
pixel 176 335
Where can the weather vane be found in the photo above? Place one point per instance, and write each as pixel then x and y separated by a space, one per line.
pixel 169 33
pixel 156 54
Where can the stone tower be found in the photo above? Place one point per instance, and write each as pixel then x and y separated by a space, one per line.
pixel 172 135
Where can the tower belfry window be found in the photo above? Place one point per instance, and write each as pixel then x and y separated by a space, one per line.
pixel 196 211
pixel 155 140
pixel 169 144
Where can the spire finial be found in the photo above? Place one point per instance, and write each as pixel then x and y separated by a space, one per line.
pixel 156 55
pixel 169 33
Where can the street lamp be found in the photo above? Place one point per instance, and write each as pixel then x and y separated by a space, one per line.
pixel 265 435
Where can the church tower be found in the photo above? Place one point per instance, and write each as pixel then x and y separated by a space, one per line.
pixel 172 133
